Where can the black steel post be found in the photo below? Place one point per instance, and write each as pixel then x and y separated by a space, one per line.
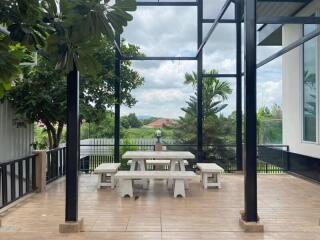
pixel 238 16
pixel 250 195
pixel 73 142
pixel 117 69
pixel 200 85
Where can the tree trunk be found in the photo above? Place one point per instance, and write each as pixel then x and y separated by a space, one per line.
pixel 49 138
pixel 52 135
pixel 59 134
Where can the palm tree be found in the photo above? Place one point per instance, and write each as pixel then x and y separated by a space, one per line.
pixel 215 92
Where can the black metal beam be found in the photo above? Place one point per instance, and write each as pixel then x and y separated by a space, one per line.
pixel 288 20
pixel 213 27
pixel 139 58
pixel 208 20
pixel 117 71
pixel 238 15
pixel 250 193
pixel 218 75
pixel 73 143
pixel 200 84
pixel 166 4
pixel 289 47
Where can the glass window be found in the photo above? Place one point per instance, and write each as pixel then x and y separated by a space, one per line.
pixel 309 87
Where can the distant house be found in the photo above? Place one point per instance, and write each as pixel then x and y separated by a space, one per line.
pixel 161 122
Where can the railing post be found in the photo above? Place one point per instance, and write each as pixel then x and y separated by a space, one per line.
pixel 40 170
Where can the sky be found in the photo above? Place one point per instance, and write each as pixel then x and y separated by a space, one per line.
pixel 172 31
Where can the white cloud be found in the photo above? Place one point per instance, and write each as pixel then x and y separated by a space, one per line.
pixel 172 31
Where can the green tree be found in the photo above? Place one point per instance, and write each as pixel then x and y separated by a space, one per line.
pixel 131 121
pixel 74 32
pixel 41 95
pixel 20 25
pixel 65 31
pixel 269 121
pixel 215 92
pixel 101 129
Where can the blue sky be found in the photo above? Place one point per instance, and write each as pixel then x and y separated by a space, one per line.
pixel 171 31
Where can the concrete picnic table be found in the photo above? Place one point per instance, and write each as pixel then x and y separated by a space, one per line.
pixel 139 158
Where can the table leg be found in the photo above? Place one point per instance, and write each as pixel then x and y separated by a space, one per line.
pixel 133 165
pixel 142 167
pixel 172 168
pixel 183 168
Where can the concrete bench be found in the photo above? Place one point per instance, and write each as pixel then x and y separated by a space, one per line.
pixel 210 174
pixel 159 163
pixel 126 180
pixel 106 173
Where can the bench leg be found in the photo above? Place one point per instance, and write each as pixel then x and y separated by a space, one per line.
pixel 126 188
pixel 100 176
pixel 218 177
pixel 205 180
pixel 179 188
pixel 112 181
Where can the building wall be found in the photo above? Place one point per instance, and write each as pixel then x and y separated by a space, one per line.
pixel 14 142
pixel 292 90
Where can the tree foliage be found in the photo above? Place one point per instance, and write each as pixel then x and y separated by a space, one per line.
pixel 65 31
pixel 215 92
pixel 131 121
pixel 269 120
pixel 41 95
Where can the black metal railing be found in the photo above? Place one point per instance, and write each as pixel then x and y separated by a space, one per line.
pixel 273 158
pixel 92 155
pixel 18 178
pixel 56 164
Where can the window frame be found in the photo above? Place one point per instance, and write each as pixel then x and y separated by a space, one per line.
pixel 317 71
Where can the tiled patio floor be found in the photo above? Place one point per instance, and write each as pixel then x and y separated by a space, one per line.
pixel 288 206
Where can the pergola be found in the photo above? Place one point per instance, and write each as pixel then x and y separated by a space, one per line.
pixel 248 12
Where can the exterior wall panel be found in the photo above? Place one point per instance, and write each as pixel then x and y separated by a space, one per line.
pixel 293 96
pixel 14 141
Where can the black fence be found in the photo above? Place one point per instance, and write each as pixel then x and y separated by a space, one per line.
pixel 92 155
pixel 274 158
pixel 18 178
pixel 271 158
pixel 56 164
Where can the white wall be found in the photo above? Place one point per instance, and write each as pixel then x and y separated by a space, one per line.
pixel 14 142
pixel 292 91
